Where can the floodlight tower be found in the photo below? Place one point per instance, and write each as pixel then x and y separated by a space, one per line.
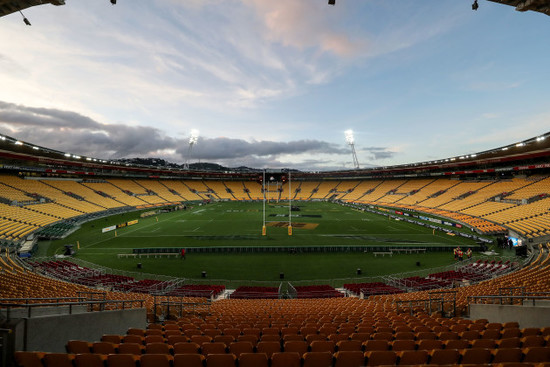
pixel 351 142
pixel 193 139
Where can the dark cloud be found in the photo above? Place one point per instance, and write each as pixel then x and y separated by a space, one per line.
pixel 227 148
pixel 377 153
pixel 78 134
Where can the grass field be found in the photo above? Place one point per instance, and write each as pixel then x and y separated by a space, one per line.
pixel 240 224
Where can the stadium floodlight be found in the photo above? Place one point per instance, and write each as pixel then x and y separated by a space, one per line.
pixel 24 18
pixel 18 142
pixel 350 140
pixel 193 139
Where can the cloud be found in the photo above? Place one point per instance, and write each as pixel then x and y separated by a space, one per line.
pixel 78 134
pixel 378 153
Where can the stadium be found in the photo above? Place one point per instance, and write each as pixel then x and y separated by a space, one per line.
pixel 127 263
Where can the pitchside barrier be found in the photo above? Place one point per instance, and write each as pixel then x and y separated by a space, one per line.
pixel 296 250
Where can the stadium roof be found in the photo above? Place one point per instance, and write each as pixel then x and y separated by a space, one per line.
pixel 542 6
pixel 12 6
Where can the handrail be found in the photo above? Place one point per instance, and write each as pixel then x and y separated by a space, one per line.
pixel 30 306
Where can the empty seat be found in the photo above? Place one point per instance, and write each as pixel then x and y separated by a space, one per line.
pixel 199 339
pixel 241 347
pixel 248 338
pixel 506 355
pixel 444 356
pixel 122 360
pixel 349 345
pixel 213 348
pixel 221 360
pixel 536 354
pixel 296 346
pixel 286 359
pixel 351 358
pixel 509 343
pixel 533 341
pixel 130 348
pixel 399 345
pixel 90 360
pixel 186 348
pixel 322 346
pixel 362 337
pixel 156 360
pixel 78 346
pixel 376 345
pixel 483 343
pixel 189 360
pixel 158 348
pixel 154 339
pixel 29 359
pixel 173 339
pixel 456 344
pixel 268 347
pixel 317 359
pixel 510 333
pixel 476 356
pixel 253 360
pixel 110 338
pixel 133 339
pixel 104 348
pixel 413 357
pixel 380 357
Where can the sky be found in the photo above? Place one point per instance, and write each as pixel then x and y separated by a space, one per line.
pixel 275 84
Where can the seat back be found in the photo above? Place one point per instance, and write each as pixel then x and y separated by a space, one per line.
pixel 253 360
pixel 351 358
pixel 317 359
pixel 189 360
pixel 286 359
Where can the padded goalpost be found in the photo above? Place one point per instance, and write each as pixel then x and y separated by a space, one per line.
pixel 265 190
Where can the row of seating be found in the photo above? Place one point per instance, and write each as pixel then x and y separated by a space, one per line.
pixel 289 359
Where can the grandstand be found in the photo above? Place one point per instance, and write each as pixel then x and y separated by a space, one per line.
pixel 403 319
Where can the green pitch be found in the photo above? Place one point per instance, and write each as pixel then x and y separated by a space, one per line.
pixel 239 224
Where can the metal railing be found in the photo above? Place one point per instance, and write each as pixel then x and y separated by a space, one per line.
pixel 7 305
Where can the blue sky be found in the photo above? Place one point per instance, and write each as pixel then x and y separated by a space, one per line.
pixel 275 83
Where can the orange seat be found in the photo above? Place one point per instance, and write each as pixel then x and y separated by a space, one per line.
pixel 122 360
pixel 248 338
pixel 268 347
pixel 444 356
pixel 213 348
pixel 135 331
pixel 90 360
pixel 376 345
pixel 509 343
pixel 78 346
pixel 404 335
pixel 322 346
pixel 253 360
pixel 133 339
pixel 130 348
pixel 381 357
pixel 220 360
pixel 29 359
pixel 173 339
pixel 110 338
pixel 199 339
pixel 349 345
pixel 456 344
pixel 510 333
pixel 189 360
pixel 186 348
pixel 317 359
pixel 352 358
pixel 158 348
pixel 286 359
pixel 399 345
pixel 475 356
pixel 536 354
pixel 156 360
pixel 533 341
pixel 296 346
pixel 362 337
pixel 241 347
pixel 154 339
pixel 506 355
pixel 413 357
pixel 382 336
pixel 483 343
pixel 104 348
